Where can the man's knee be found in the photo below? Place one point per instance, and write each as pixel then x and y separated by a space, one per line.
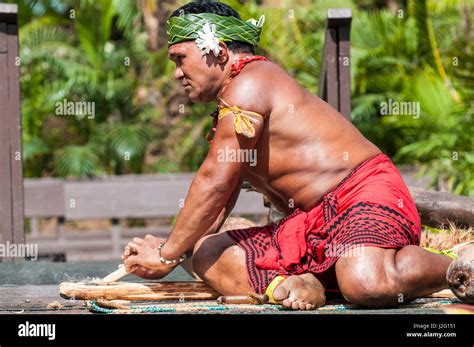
pixel 367 285
pixel 371 293
pixel 207 251
pixel 209 248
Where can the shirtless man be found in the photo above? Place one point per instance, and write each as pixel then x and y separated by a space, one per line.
pixel 312 164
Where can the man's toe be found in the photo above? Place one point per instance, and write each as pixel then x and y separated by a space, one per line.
pixel 281 292
pixel 287 303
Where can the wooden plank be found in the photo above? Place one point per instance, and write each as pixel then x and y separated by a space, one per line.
pixel 142 199
pixel 5 160
pixel 174 176
pixel 93 200
pixel 44 198
pixel 15 136
pixel 66 245
pixel 138 291
pixel 35 298
pixel 344 71
pixel 127 233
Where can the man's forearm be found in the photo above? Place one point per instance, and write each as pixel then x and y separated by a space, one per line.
pixel 226 210
pixel 205 209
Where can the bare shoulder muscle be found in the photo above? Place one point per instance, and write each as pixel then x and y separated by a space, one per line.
pixel 250 91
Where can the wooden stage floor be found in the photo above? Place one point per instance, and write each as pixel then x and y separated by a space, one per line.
pixel 34 299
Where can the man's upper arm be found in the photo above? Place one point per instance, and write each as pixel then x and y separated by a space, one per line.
pixel 229 146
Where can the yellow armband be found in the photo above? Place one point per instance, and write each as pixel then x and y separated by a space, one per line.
pixel 243 120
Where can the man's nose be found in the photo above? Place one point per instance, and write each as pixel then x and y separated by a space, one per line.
pixel 178 74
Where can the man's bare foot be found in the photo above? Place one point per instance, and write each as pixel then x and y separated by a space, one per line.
pixel 302 292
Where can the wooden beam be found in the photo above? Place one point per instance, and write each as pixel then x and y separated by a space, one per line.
pixel 334 80
pixel 344 54
pixel 5 160
pixel 328 83
pixel 11 177
pixel 15 135
pixel 437 208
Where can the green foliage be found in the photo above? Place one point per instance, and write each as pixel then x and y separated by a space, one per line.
pixel 400 59
pixel 88 66
pixel 443 138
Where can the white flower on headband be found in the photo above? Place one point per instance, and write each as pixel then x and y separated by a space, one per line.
pixel 207 40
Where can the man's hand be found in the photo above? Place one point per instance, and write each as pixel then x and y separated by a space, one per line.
pixel 141 257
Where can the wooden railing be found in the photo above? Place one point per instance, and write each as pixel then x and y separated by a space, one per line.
pixel 114 198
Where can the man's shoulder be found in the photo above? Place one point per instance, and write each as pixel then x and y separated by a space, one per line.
pixel 251 90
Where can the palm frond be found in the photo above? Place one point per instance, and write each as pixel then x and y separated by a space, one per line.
pixel 77 161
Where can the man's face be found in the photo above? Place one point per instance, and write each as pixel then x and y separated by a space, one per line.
pixel 200 75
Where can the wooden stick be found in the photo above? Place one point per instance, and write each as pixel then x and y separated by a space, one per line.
pixel 250 299
pixel 445 293
pixel 233 299
pixel 121 272
pixel 138 291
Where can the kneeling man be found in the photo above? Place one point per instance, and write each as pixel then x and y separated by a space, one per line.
pixel 351 224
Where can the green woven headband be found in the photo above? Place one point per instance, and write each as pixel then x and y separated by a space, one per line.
pixel 189 26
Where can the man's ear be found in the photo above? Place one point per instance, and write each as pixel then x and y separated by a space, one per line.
pixel 223 57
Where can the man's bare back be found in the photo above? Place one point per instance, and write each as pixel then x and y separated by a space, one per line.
pixel 306 147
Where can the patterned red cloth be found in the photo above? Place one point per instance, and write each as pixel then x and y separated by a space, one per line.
pixel 370 207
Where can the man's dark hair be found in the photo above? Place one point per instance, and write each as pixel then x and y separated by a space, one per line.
pixel 209 6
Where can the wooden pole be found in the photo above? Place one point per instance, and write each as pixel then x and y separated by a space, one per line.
pixel 138 291
pixel 334 79
pixel 11 177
